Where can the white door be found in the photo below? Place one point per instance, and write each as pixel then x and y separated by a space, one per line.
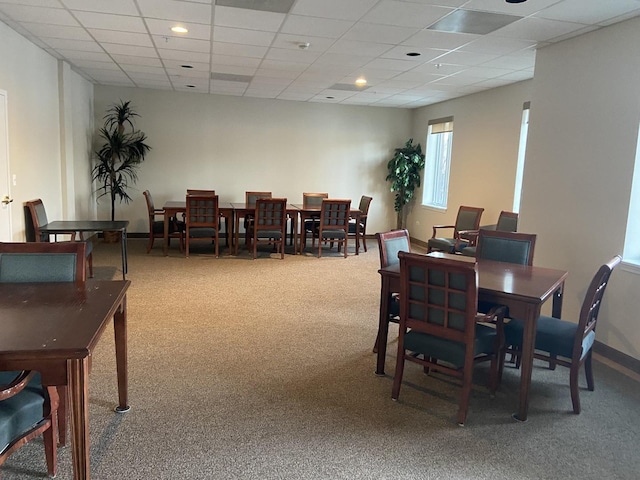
pixel 5 191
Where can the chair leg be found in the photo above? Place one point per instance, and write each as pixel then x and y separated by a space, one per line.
pixel 573 384
pixel 150 244
pixel 90 264
pixel 588 370
pixel 397 378
pixel 552 361
pixel 463 408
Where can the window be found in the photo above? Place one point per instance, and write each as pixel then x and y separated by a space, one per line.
pixel 631 251
pixel 522 148
pixel 438 163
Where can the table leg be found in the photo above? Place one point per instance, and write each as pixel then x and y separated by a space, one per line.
pixel 556 310
pixel 79 396
pixel 236 232
pixel 357 235
pixel 383 325
pixel 125 260
pixel 526 367
pixel 294 226
pixel 120 330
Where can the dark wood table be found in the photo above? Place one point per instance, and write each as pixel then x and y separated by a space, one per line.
pixel 174 207
pixel 311 212
pixel 521 288
pixel 70 226
pixel 241 209
pixel 53 328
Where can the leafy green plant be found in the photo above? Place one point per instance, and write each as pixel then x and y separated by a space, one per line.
pixel 404 174
pixel 119 157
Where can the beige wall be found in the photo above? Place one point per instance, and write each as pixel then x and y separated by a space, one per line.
pixel 585 111
pixel 234 144
pixel 484 154
pixel 34 84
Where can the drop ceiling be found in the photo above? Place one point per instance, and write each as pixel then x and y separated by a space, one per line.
pixel 309 50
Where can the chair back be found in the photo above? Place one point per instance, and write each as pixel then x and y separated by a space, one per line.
pixel 364 207
pixel 251 197
pixel 334 214
pixel 202 211
pixel 271 215
pixel 510 247
pixel 507 222
pixel 591 307
pixel 468 218
pixel 37 217
pixel 311 200
pixel 43 262
pixel 390 244
pixel 191 191
pixel 439 296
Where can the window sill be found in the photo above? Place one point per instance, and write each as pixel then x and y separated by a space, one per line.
pixel 435 209
pixel 631 266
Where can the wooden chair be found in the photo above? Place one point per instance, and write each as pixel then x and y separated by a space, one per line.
pixel 36 216
pixel 570 341
pixel 45 262
pixel 156 227
pixel 365 202
pixel 249 200
pixel 334 223
pixel 468 218
pixel 507 222
pixel 202 220
pixel 438 321
pixel 310 223
pixel 510 247
pixel 27 410
pixel 389 245
pixel 269 224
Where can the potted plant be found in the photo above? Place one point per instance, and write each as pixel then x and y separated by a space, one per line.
pixel 122 152
pixel 404 174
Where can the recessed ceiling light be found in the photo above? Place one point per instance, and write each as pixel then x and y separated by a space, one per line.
pixel 330 98
pixel 361 81
pixel 413 54
pixel 190 86
pixel 186 66
pixel 516 1
pixel 179 29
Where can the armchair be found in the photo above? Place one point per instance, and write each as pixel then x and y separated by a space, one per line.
pixel 359 231
pixel 507 222
pixel 156 227
pixel 468 218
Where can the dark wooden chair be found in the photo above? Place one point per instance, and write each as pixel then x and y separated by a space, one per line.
pixel 310 223
pixel 45 262
pixel 507 222
pixel 27 410
pixel 468 218
pixel 365 202
pixel 156 227
pixel 269 224
pixel 36 216
pixel 334 224
pixel 250 200
pixel 202 220
pixel 567 343
pixel 439 322
pixel 389 245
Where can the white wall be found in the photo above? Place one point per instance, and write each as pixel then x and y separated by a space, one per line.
pixel 31 78
pixel 585 111
pixel 236 144
pixel 486 132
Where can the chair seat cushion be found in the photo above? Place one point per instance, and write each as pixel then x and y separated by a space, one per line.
pixel 202 232
pixel 445 244
pixel 448 350
pixel 20 413
pixel 553 335
pixel 469 251
pixel 158 227
pixel 276 234
pixel 330 233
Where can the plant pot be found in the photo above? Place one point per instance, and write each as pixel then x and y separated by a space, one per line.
pixel 111 236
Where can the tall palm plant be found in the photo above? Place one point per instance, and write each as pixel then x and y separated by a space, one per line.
pixel 404 174
pixel 119 157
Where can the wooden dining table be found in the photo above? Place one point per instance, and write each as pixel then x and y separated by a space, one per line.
pixel 241 209
pixel 309 212
pixel 53 328
pixel 523 289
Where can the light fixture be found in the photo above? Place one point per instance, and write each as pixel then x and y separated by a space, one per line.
pixel 186 66
pixel 413 54
pixel 361 82
pixel 179 29
pixel 515 1
pixel 304 45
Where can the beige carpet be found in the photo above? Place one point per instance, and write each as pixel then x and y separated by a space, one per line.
pixel 262 369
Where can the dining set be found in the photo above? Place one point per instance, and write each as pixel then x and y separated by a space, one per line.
pixel 319 216
pixel 477 296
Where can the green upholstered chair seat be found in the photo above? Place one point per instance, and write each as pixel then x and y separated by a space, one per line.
pixel 328 233
pixel 469 251
pixel 277 234
pixel 447 350
pixel 202 232
pixel 22 412
pixel 445 244
pixel 352 226
pixel 552 335
pixel 158 227
pixel 37 267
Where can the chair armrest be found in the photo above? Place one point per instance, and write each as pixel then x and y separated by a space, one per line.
pixel 495 316
pixel 435 227
pixel 470 236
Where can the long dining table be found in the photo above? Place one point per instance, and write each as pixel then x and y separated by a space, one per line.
pixel 53 329
pixel 523 289
pixel 310 212
pixel 241 209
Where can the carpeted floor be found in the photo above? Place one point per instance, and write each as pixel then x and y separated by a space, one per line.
pixel 262 369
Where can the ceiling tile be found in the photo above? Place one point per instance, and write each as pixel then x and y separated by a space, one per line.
pixel 339 9
pixel 120 7
pixel 361 48
pixel 133 60
pixel 65 43
pixel 233 60
pixel 520 9
pixel 246 37
pixel 316 44
pixel 248 19
pixel 400 53
pixel 301 56
pixel 125 38
pixel 275 6
pixel 108 21
pixel 441 40
pixel 497 45
pixel 34 3
pixel 369 32
pixel 253 51
pixel 391 64
pixel 234 70
pixel 80 55
pixel 538 29
pixel 176 11
pixel 175 43
pixel 319 27
pixel 50 16
pixel 119 49
pixel 163 27
pixel 405 14
pixel 182 55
